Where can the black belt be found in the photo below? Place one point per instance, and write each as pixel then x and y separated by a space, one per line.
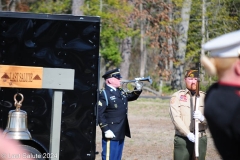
pixel 200 134
pixel 199 131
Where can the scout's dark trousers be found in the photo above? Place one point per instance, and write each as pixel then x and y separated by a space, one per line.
pixel 112 150
pixel 184 149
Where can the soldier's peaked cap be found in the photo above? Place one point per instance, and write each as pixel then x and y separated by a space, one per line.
pixel 227 45
pixel 112 73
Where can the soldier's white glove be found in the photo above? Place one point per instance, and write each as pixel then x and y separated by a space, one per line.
pixel 191 137
pixel 138 86
pixel 198 115
pixel 109 134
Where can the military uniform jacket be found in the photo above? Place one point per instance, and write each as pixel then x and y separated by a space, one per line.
pixel 181 112
pixel 114 115
pixel 222 111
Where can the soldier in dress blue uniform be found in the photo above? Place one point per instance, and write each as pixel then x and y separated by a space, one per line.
pixel 222 101
pixel 112 114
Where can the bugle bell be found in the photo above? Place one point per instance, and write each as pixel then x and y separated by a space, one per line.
pixel 125 83
pixel 138 79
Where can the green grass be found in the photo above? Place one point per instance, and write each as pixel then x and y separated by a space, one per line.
pixel 148 107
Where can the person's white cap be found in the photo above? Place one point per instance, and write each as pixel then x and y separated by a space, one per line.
pixel 227 45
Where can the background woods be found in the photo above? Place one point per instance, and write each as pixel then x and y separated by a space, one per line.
pixel 157 38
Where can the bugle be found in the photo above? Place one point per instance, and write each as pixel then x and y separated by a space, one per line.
pixel 125 83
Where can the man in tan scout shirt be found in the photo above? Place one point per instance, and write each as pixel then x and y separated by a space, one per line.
pixel 182 114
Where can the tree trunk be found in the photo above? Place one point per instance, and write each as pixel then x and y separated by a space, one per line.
pixel 143 58
pixel 203 31
pixel 1 7
pixel 170 47
pixel 125 48
pixel 76 4
pixel 126 54
pixel 12 5
pixel 182 44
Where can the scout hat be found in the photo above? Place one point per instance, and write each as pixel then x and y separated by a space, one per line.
pixel 112 73
pixel 227 45
pixel 191 73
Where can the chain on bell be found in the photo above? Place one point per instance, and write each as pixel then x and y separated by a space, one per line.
pixel 17 122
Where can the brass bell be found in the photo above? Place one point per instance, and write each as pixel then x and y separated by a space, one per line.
pixel 17 122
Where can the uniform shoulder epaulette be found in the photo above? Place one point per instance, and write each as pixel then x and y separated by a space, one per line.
pixel 105 95
pixel 101 90
pixel 177 92
pixel 182 90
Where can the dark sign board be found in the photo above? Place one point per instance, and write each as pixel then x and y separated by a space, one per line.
pixel 54 41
